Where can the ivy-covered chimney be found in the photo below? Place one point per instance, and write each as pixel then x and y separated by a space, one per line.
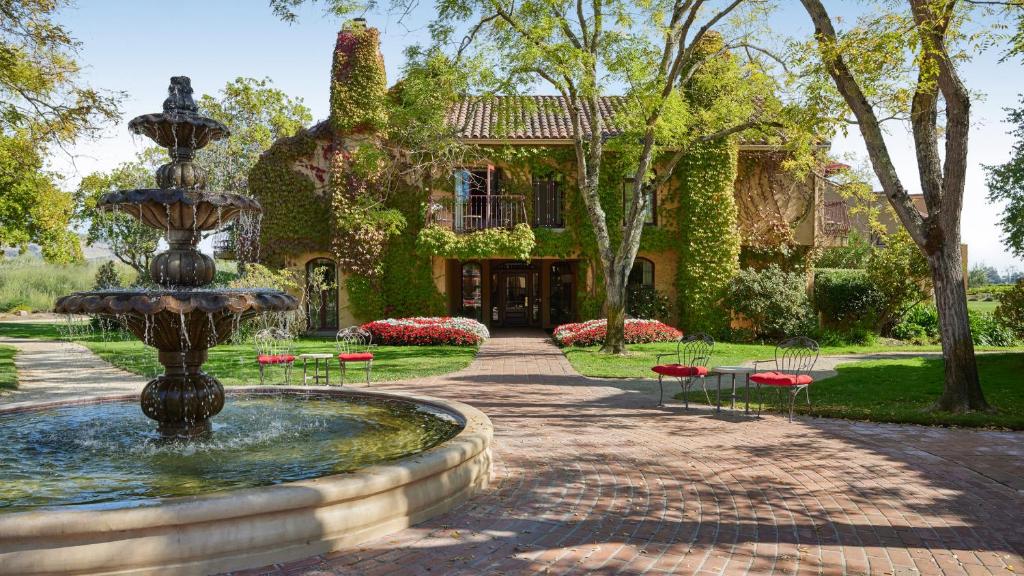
pixel 358 81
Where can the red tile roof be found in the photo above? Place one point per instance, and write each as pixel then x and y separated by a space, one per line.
pixel 524 117
pixel 520 118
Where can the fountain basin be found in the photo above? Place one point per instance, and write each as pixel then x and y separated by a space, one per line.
pixel 251 527
pixel 179 319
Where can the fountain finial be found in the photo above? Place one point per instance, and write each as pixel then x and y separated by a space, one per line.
pixel 179 96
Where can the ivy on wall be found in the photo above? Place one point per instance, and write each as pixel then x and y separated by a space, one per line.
pixel 296 219
pixel 359 84
pixel 708 243
pixel 516 243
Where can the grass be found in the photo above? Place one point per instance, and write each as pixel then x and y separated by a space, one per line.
pixel 235 364
pixel 982 305
pixel 29 283
pixel 8 374
pixel 638 361
pixel 902 391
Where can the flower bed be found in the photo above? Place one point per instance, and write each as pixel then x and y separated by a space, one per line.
pixel 423 331
pixel 592 332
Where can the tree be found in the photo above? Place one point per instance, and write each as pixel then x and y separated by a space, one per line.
pixel 584 51
pixel 1006 184
pixel 867 64
pixel 257 114
pixel 131 241
pixel 43 103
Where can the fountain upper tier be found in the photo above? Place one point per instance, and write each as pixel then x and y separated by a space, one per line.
pixel 179 209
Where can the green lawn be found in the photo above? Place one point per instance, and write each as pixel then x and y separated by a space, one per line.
pixel 235 364
pixel 638 361
pixel 8 375
pixel 902 390
pixel 982 306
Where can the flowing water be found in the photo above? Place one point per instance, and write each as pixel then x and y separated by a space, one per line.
pixel 109 456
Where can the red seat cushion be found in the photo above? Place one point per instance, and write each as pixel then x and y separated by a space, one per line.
pixel 780 379
pixel 356 357
pixel 680 371
pixel 275 359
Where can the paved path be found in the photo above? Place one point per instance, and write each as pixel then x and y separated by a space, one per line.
pixel 50 370
pixel 591 478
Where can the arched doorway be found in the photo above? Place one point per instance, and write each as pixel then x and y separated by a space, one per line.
pixel 321 295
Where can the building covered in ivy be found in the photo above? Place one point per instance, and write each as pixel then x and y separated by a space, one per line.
pixel 502 236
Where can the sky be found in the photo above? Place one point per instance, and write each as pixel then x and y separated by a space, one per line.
pixel 135 46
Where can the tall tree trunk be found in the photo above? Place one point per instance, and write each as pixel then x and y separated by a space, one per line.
pixel 615 312
pixel 962 390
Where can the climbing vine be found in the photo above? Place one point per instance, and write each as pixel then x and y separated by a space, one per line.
pixel 516 243
pixel 295 216
pixel 708 243
pixel 359 84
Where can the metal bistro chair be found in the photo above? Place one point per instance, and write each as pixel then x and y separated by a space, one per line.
pixel 274 348
pixel 692 355
pixel 354 345
pixel 794 360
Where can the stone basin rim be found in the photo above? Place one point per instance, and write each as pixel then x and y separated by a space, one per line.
pixel 179 301
pixel 474 438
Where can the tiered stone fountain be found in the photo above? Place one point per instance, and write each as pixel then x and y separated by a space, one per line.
pixel 182 319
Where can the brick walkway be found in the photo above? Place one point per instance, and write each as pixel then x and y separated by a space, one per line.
pixel 591 478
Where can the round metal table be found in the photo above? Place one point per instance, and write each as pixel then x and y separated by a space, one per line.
pixel 317 376
pixel 733 371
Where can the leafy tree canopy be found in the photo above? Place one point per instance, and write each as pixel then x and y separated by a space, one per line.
pixel 1006 184
pixel 131 242
pixel 257 114
pixel 43 103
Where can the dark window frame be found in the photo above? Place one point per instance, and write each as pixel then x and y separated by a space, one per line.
pixel 627 189
pixel 554 214
pixel 636 261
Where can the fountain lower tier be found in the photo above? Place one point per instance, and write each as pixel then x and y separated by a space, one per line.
pixel 182 326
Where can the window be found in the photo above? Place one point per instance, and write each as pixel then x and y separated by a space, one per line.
pixel 547 201
pixel 642 274
pixel 472 296
pixel 477 198
pixel 321 294
pixel 650 207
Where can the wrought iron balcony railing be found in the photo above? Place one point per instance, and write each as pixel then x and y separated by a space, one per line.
pixel 477 212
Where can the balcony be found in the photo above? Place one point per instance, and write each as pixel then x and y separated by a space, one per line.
pixel 836 219
pixel 477 212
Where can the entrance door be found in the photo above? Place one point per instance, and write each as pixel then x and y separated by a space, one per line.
pixel 321 295
pixel 517 297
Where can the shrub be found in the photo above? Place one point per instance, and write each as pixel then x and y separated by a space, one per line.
pixel 647 302
pixel 592 332
pixel 107 277
pixel 775 302
pixel 845 298
pixel 987 331
pixel 855 336
pixel 427 331
pixel 899 273
pixel 1010 311
pixel 919 325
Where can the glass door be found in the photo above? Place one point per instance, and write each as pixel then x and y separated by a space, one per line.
pixel 517 292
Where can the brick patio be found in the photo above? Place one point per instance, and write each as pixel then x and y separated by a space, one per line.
pixel 591 477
